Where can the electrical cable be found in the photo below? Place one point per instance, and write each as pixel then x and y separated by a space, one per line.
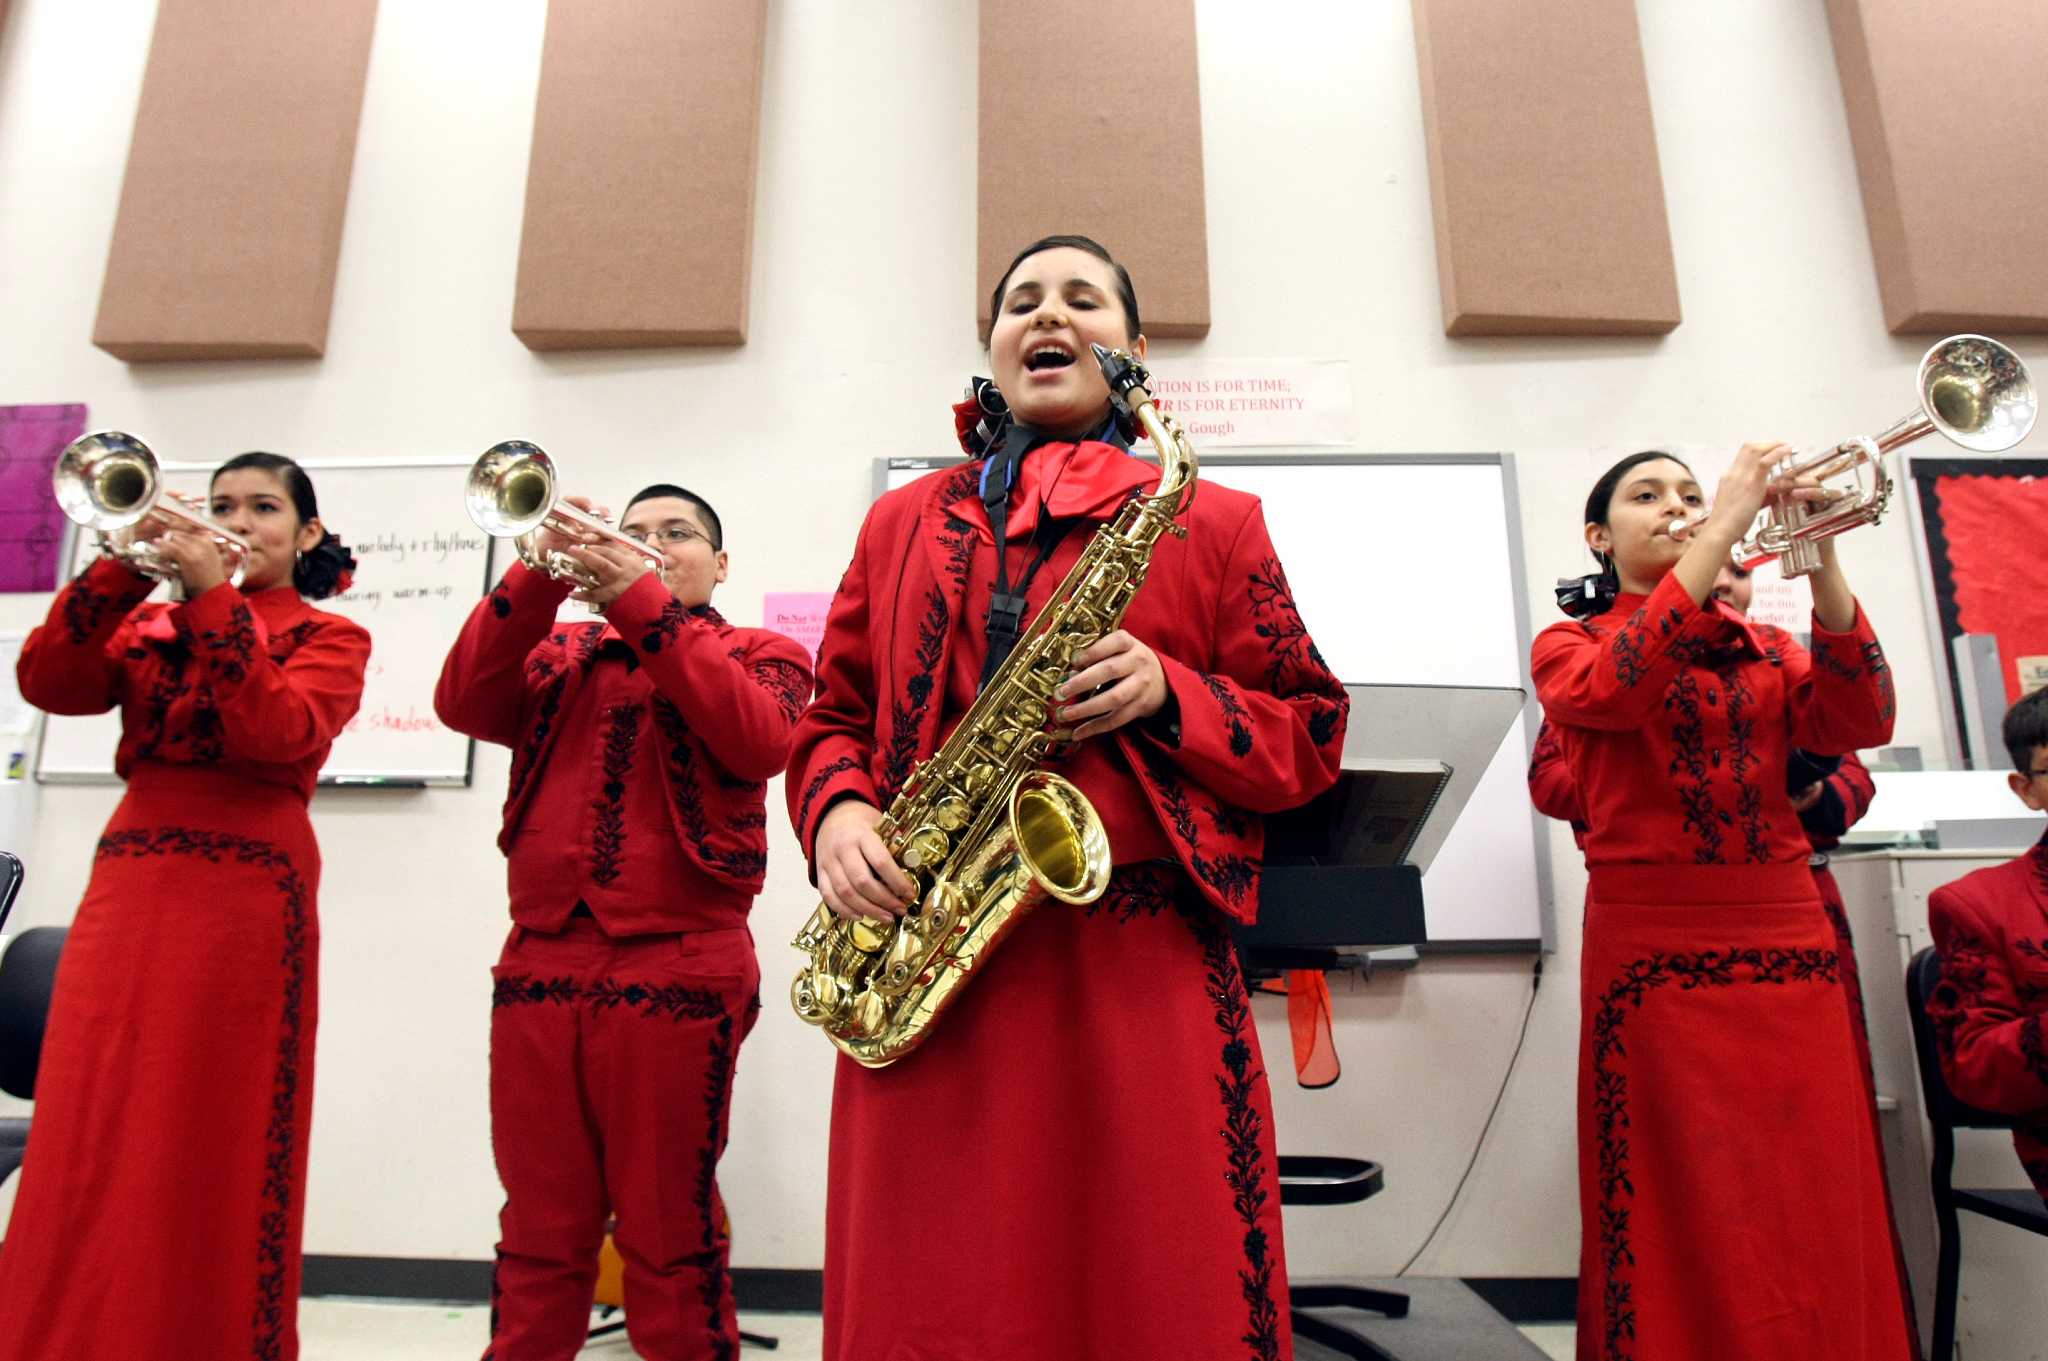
pixel 1535 984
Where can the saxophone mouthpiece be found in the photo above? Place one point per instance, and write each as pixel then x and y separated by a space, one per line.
pixel 1124 375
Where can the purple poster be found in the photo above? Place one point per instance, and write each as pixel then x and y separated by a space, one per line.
pixel 31 525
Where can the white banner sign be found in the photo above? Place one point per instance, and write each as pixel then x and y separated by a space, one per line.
pixel 1293 403
pixel 1788 604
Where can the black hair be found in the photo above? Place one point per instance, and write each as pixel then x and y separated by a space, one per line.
pixel 1584 597
pixel 711 520
pixel 2026 729
pixel 324 569
pixel 1125 293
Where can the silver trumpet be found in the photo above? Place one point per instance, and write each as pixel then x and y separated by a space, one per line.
pixel 1973 391
pixel 512 494
pixel 111 483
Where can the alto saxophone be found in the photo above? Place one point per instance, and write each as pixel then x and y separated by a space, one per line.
pixel 982 829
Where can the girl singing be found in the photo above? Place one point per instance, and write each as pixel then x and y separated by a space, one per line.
pixel 1079 1159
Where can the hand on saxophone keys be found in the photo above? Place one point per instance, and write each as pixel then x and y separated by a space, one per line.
pixel 1115 680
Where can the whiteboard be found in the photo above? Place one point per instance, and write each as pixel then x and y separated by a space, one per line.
pixel 1389 601
pixel 421 567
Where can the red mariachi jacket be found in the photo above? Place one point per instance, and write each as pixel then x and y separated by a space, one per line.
pixel 1676 719
pixel 1845 795
pixel 1260 717
pixel 254 686
pixel 642 745
pixel 1990 1012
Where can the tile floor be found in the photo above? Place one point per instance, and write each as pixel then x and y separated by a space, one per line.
pixel 361 1330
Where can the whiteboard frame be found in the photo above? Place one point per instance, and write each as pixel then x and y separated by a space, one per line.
pixel 71 547
pixel 1532 711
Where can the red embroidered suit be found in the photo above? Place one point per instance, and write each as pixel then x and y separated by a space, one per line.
pixel 1079 1160
pixel 181 1033
pixel 635 840
pixel 1991 1011
pixel 1732 1198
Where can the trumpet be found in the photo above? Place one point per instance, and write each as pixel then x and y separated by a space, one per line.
pixel 111 483
pixel 512 494
pixel 1973 391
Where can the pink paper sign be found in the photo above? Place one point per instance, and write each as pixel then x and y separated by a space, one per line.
pixel 797 614
pixel 31 525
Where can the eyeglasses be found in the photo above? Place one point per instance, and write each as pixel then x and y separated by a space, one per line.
pixel 668 534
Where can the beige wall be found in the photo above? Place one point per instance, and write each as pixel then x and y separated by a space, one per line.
pixel 1320 244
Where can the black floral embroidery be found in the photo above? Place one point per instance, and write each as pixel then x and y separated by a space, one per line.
pixel 1630 664
pixel 581 650
pixel 1743 761
pixel 2031 993
pixel 653 1001
pixel 501 600
pixel 1881 674
pixel 1235 716
pixel 1137 890
pixel 1232 876
pixel 284 1134
pixel 789 683
pixel 1294 665
pixel 85 608
pixel 905 714
pixel 608 840
pixel 233 649
pixel 1624 994
pixel 665 627
pixel 287 641
pixel 1240 1087
pixel 746 863
pixel 815 786
pixel 524 989
pixel 712 1244
pixel 2034 1048
pixel 1689 759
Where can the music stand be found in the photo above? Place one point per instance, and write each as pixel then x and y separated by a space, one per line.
pixel 1344 871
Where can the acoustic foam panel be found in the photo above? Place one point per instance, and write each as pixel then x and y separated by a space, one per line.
pixel 231 209
pixel 1543 171
pixel 640 196
pixel 1948 114
pixel 1122 165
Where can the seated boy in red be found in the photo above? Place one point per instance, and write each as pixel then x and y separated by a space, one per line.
pixel 1990 1012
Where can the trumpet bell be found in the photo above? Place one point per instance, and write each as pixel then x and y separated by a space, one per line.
pixel 511 488
pixel 106 480
pixel 1977 393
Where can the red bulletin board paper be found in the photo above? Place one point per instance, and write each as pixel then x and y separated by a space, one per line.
pixel 31 525
pixel 1997 531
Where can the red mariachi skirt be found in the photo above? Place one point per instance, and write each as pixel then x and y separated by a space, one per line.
pixel 163 1193
pixel 1732 1201
pixel 1077 1163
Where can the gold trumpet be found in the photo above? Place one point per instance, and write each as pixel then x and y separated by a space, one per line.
pixel 511 494
pixel 1973 391
pixel 111 483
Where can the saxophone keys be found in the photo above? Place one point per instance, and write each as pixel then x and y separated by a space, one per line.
pixel 926 848
pixel 867 936
pixel 952 814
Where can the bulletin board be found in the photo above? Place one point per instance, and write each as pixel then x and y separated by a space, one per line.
pixel 1982 539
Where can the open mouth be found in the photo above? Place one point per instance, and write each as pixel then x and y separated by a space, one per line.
pixel 1048 355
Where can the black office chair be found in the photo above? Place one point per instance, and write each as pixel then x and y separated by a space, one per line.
pixel 28 974
pixel 2021 1209
pixel 1310 1180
